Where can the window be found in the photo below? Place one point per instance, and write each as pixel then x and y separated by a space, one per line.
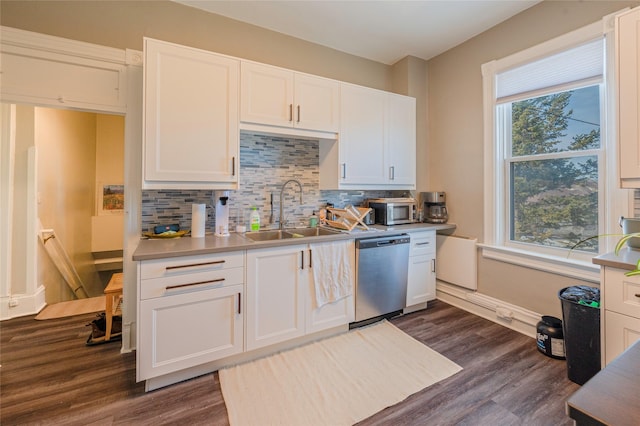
pixel 553 152
pixel 550 157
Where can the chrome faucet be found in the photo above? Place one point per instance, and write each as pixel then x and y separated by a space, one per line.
pixel 281 226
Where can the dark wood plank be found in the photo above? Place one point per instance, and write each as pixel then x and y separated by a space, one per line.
pixel 49 376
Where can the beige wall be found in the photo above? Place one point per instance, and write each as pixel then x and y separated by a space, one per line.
pixel 24 141
pixel 456 136
pixel 123 24
pixel 66 143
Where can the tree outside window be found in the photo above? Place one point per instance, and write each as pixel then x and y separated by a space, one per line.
pixel 553 168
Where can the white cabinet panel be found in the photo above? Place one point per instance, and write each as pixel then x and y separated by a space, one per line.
pixel 317 103
pixel 362 135
pixel 266 95
pixel 191 135
pixel 279 97
pixel 421 283
pixel 421 279
pixel 189 329
pixel 621 332
pixel 377 143
pixel 275 295
pixel 334 314
pixel 401 140
pixel 628 91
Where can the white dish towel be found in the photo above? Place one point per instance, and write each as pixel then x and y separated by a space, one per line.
pixel 332 271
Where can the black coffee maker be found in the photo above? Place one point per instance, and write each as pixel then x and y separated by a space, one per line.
pixel 434 208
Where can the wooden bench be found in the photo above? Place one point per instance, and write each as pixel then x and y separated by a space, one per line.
pixel 113 302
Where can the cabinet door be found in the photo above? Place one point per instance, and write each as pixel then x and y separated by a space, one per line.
pixel 189 328
pixel 621 331
pixel 340 312
pixel 317 103
pixel 191 116
pixel 275 295
pixel 401 141
pixel 362 135
pixel 628 73
pixel 421 284
pixel 266 95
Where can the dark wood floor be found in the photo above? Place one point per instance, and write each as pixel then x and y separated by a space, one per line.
pixel 49 376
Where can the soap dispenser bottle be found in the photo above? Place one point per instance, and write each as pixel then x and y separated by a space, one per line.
pixel 313 220
pixel 254 219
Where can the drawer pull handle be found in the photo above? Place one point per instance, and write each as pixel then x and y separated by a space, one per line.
pixel 310 259
pixel 423 244
pixel 302 259
pixel 173 287
pixel 239 303
pixel 637 294
pixel 193 265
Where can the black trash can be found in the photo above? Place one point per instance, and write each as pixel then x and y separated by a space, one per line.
pixel 581 329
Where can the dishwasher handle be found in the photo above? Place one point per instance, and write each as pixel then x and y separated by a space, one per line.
pixel 368 243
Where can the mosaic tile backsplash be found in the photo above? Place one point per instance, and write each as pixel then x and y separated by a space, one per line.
pixel 266 162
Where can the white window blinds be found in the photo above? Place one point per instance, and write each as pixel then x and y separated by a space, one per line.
pixel 577 64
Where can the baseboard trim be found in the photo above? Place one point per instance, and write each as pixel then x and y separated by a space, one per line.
pixel 506 314
pixel 20 305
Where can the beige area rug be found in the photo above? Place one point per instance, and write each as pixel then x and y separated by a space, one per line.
pixel 336 381
pixel 72 307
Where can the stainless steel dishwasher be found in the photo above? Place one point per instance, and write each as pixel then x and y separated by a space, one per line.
pixel 382 265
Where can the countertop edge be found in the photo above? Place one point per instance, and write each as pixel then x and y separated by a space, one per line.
pixel 152 249
pixel 626 259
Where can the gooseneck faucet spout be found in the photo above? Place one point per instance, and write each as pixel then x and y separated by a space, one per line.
pixel 281 225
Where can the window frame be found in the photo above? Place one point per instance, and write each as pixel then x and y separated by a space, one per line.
pixel 614 202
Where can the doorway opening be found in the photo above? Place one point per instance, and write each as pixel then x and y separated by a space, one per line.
pixel 79 181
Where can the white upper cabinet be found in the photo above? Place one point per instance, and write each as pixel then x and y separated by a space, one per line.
pixel 275 96
pixel 191 134
pixel 377 143
pixel 628 90
pixel 401 140
pixel 362 135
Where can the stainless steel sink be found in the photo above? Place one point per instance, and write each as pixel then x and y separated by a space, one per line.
pixel 266 235
pixel 276 234
pixel 308 232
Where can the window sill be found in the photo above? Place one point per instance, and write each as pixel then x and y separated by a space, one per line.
pixel 556 265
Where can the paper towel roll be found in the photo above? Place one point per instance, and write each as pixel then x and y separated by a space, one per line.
pixel 198 220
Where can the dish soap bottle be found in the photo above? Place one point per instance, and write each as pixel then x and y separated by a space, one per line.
pixel 254 219
pixel 313 220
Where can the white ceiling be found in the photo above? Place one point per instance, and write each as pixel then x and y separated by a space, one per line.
pixel 383 31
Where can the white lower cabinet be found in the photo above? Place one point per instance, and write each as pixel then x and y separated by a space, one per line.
pixel 275 295
pixel 421 284
pixel 620 312
pixel 281 300
pixel 333 314
pixel 190 312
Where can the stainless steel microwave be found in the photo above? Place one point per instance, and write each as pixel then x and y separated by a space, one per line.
pixel 393 211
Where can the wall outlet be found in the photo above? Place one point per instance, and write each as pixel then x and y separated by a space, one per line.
pixel 13 303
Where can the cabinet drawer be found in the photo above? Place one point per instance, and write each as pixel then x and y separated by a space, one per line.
pixel 186 265
pixel 168 286
pixel 622 293
pixel 422 243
